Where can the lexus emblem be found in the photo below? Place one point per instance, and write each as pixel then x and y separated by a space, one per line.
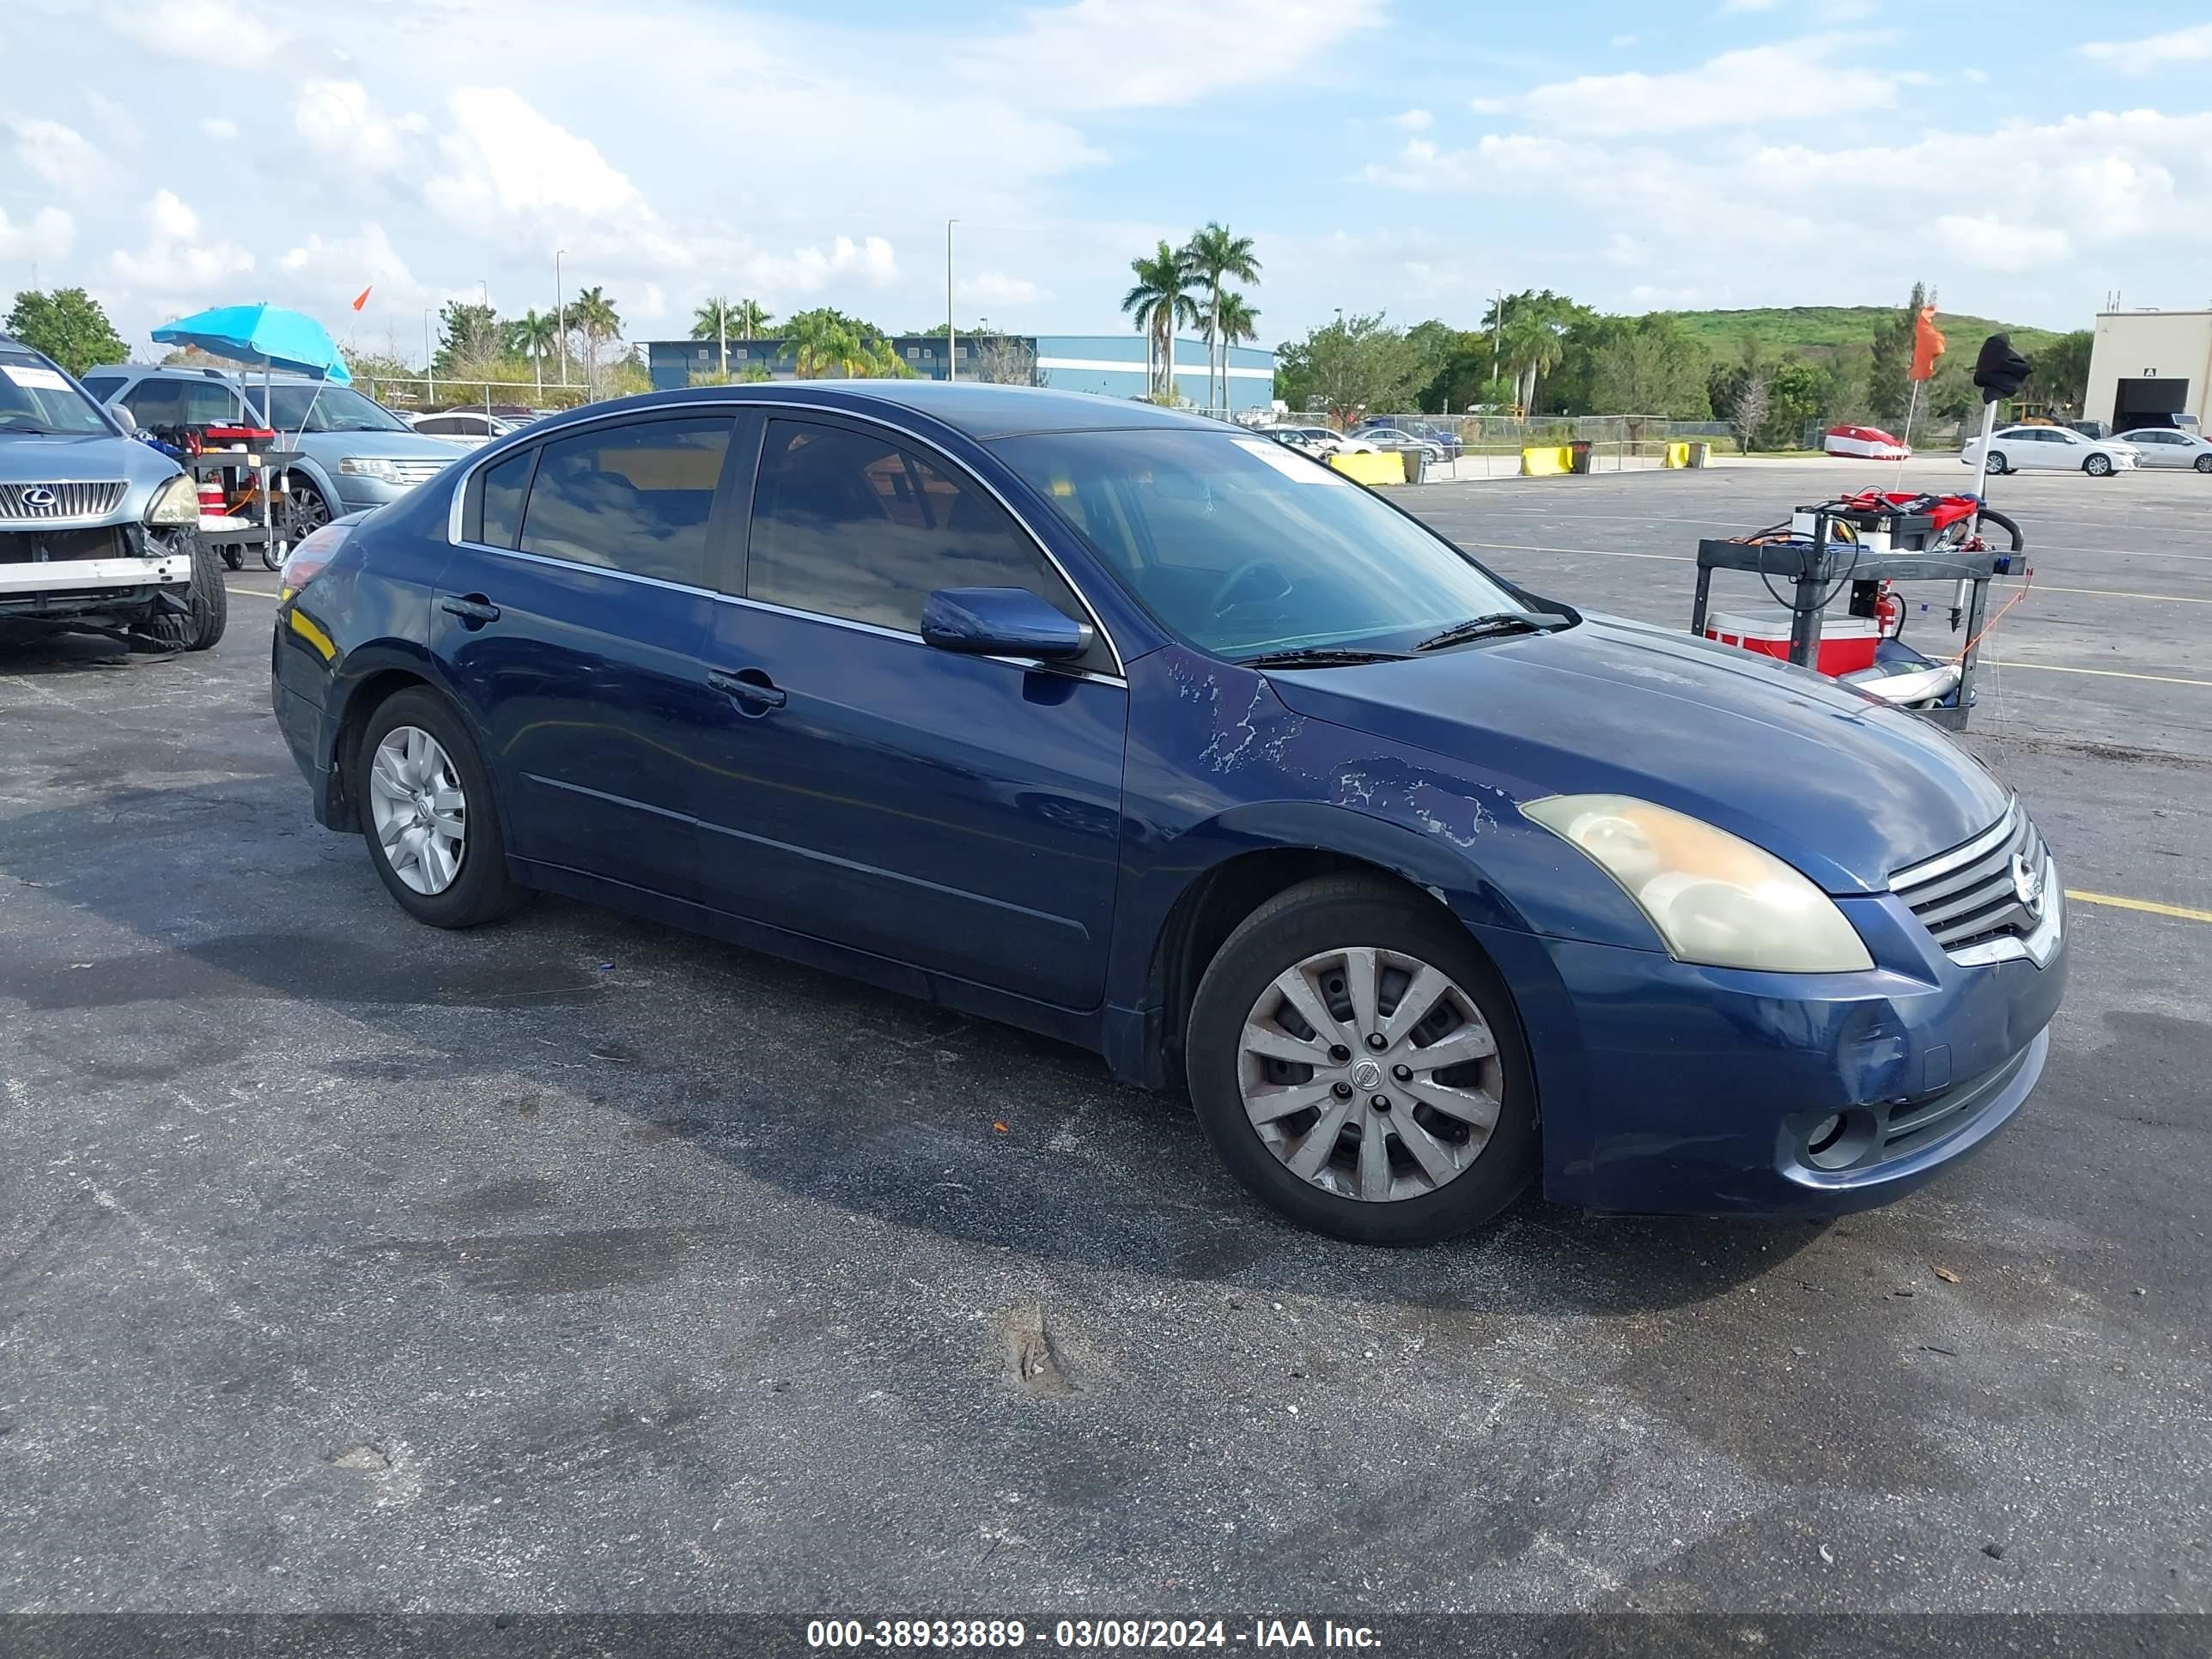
pixel 2028 885
pixel 39 495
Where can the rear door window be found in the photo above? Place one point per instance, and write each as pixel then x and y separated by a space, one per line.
pixel 157 403
pixel 855 525
pixel 635 498
pixel 212 404
pixel 501 505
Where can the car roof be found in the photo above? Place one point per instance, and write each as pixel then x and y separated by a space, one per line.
pixel 975 408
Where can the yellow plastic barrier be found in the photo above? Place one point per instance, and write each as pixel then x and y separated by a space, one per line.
pixel 1387 468
pixel 1544 462
pixel 1677 455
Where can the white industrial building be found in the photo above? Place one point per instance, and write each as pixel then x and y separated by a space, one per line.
pixel 2148 367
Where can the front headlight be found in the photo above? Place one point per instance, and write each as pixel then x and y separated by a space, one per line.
pixel 370 466
pixel 1715 899
pixel 176 502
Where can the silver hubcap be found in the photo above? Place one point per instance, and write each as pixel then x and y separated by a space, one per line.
pixel 1370 1074
pixel 421 815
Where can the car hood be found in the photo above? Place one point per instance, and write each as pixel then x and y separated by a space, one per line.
pixel 1844 787
pixel 379 446
pixel 84 457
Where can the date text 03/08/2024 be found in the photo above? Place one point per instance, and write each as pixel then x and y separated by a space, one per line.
pixel 1088 1634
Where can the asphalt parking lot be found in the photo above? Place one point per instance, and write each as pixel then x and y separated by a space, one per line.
pixel 577 1264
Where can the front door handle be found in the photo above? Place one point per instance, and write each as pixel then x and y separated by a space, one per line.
pixel 471 608
pixel 750 687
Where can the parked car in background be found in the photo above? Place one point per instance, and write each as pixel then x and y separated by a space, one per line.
pixel 354 452
pixel 2170 446
pixel 98 530
pixel 2027 448
pixel 1392 437
pixel 1113 723
pixel 1867 442
pixel 466 429
pixel 1320 440
pixel 1442 439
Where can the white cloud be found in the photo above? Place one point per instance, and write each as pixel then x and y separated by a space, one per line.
pixel 1128 54
pixel 807 270
pixel 1621 41
pixel 177 261
pixel 338 120
pixel 219 127
pixel 1815 78
pixel 49 233
pixel 2186 45
pixel 205 31
pixel 60 155
pixel 1989 243
pixel 344 265
pixel 1748 5
pixel 505 158
pixel 1412 120
pixel 1490 105
pixel 994 288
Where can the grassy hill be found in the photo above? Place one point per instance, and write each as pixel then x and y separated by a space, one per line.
pixel 1816 331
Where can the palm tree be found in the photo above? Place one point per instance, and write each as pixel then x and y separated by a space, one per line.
pixel 594 315
pixel 1158 305
pixel 749 318
pixel 825 342
pixel 1235 321
pixel 711 322
pixel 1212 256
pixel 531 335
pixel 1533 349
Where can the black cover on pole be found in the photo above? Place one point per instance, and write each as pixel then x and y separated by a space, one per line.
pixel 2000 371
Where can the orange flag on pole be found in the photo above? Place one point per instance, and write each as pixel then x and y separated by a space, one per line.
pixel 1927 344
pixel 362 299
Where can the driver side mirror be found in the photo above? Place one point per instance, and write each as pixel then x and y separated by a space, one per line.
pixel 1001 621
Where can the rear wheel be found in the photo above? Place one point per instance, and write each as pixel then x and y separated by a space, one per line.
pixel 1998 467
pixel 2098 466
pixel 427 814
pixel 1357 1062
pixel 2204 463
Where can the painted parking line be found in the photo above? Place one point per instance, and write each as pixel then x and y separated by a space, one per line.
pixel 1994 662
pixel 2149 906
pixel 251 592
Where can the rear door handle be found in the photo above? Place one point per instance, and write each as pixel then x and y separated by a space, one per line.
pixel 471 608
pixel 750 687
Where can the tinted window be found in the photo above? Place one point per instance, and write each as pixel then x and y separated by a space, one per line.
pixel 853 526
pixel 210 403
pixel 633 498
pixel 315 407
pixel 157 403
pixel 502 499
pixel 438 425
pixel 102 386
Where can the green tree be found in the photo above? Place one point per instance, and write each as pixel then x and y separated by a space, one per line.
pixel 468 338
pixel 1889 383
pixel 69 325
pixel 1158 304
pixel 1794 392
pixel 2061 375
pixel 1352 366
pixel 1848 399
pixel 1648 365
pixel 827 343
pixel 749 318
pixel 1212 256
pixel 593 315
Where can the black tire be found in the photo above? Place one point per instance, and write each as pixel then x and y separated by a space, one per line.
pixel 1318 916
pixel 207 603
pixel 2204 463
pixel 481 891
pixel 2098 466
pixel 1998 467
pixel 234 558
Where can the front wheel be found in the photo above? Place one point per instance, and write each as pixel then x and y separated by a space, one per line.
pixel 1357 1062
pixel 1997 468
pixel 2098 466
pixel 427 814
pixel 2204 463
pixel 301 509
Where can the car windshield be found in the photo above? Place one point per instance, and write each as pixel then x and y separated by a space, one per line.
pixel 35 397
pixel 1244 550
pixel 311 407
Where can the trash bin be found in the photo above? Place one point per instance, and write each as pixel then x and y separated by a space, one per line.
pixel 1417 465
pixel 1701 455
pixel 1578 457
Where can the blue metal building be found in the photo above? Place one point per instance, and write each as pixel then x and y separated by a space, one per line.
pixel 1111 365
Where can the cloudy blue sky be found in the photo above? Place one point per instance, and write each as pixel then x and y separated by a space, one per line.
pixel 1407 155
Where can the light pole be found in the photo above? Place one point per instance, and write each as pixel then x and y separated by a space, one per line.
pixel 429 376
pixel 951 351
pixel 560 323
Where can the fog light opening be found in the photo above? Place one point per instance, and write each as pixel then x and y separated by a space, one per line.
pixel 1826 1133
pixel 1840 1141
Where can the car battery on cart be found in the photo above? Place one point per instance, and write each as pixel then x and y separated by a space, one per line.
pixel 1847 643
pixel 1876 529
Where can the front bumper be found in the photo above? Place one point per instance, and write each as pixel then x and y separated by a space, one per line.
pixel 61 577
pixel 1668 1088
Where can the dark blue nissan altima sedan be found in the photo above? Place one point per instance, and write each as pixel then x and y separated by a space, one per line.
pixel 1139 731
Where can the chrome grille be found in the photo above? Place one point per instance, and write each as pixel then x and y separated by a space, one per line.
pixel 415 472
pixel 1968 897
pixel 68 501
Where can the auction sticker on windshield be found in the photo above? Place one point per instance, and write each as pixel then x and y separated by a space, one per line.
pixel 1291 467
pixel 35 376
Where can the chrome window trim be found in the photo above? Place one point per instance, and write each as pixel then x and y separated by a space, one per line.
pixel 734 406
pixel 1037 664
pixel 1916 875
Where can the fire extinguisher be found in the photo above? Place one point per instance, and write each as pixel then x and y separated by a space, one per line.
pixel 1888 612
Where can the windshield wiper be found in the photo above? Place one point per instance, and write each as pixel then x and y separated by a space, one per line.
pixel 1318 657
pixel 1498 622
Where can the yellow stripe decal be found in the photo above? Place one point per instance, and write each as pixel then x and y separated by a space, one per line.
pixel 314 636
pixel 2151 905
